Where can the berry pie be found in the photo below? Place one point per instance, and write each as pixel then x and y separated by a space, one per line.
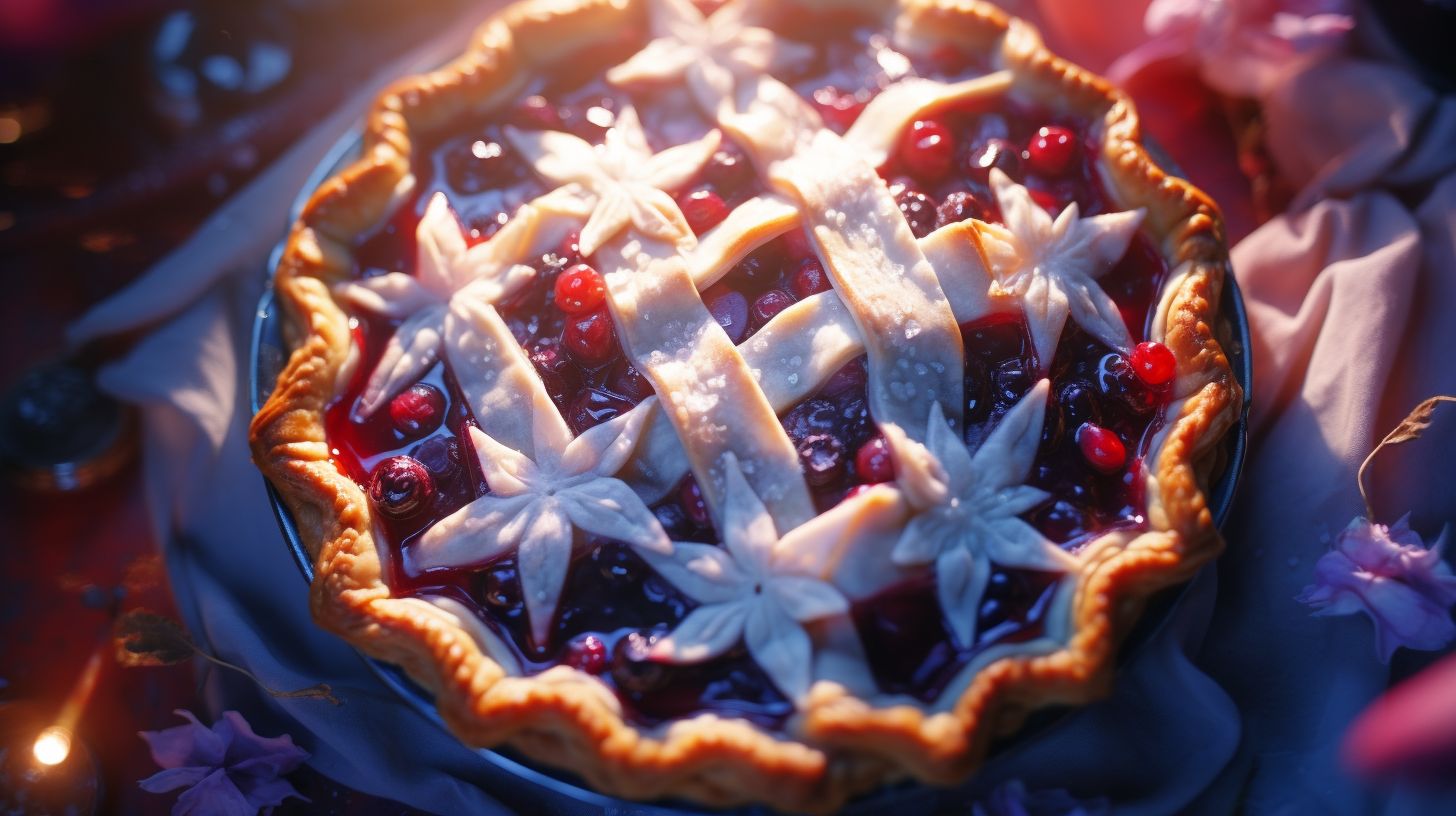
pixel 750 402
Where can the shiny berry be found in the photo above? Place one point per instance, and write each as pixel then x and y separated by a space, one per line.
pixel 593 406
pixel 958 207
pixel 417 410
pixel 703 209
pixel 837 108
pixel 501 588
pixel 767 306
pixel 811 417
pixel 441 456
pixel 535 113
pixel 873 462
pixel 570 249
pixel 399 486
pixel 616 563
pixel 580 289
pixel 994 154
pixel 558 372
pixel 1051 151
pixel 850 379
pixel 755 268
pixel 822 459
pixel 919 211
pixel 690 496
pixel 627 381
pixel 1116 379
pixel 1101 447
pixel 809 279
pixel 1153 363
pixel 1077 401
pixel 587 653
pixel 674 520
pixel 633 669
pixel 729 170
pixel 591 338
pixel 927 150
pixel 475 165
pixel 730 309
pixel 795 243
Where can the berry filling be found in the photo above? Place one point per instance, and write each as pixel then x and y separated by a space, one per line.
pixel 415 463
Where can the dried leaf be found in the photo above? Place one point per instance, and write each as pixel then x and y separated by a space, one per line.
pixel 145 638
pixel 1410 428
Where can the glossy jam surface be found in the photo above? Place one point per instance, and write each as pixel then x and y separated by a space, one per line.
pixel 415 461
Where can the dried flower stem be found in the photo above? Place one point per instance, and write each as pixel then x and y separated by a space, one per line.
pixel 1410 428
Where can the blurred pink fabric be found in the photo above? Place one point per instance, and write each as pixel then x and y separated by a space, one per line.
pixel 1240 696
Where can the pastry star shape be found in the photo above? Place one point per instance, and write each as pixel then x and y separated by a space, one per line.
pixel 1052 266
pixel 622 181
pixel 757 588
pixel 447 269
pixel 968 506
pixel 709 50
pixel 534 507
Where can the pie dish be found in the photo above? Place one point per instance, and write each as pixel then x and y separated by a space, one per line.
pixel 759 406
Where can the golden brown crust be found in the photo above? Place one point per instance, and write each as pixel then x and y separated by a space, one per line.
pixel 841 745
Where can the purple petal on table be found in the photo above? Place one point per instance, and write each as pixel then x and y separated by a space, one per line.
pixel 268 792
pixel 174 778
pixel 1388 574
pixel 191 744
pixel 246 748
pixel 215 795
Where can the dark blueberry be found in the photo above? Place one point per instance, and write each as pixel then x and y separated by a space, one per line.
pixel 822 458
pixel 978 391
pixel 1060 521
pixel 1117 380
pixel 674 519
pixel 730 309
pixel 616 563
pixel 627 381
pixel 559 373
pixel 587 653
pixel 994 154
pixel 441 456
pixel 593 406
pixel 633 669
pixel 474 165
pixel 729 170
pixel 855 423
pixel 483 226
pixel 810 418
pixel 754 270
pixel 399 486
pixel 990 126
pixel 850 379
pixel 919 211
pixel 1077 400
pixel 417 410
pixel 1010 380
pixel 501 589
pixel 536 113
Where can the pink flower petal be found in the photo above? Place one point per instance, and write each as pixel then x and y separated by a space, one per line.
pixel 191 744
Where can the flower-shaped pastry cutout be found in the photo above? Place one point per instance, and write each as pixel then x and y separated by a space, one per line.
pixel 969 506
pixel 446 268
pixel 756 588
pixel 1052 266
pixel 622 180
pixel 1388 574
pixel 709 50
pixel 534 507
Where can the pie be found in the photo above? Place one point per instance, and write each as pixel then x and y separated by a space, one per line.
pixel 756 403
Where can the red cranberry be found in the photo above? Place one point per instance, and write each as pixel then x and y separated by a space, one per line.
pixel 950 60
pixel 400 486
pixel 919 211
pixel 690 496
pixel 996 154
pixel 1046 199
pixel 633 669
pixel 1051 151
pixel 796 244
pixel 417 410
pixel 592 407
pixel 535 113
pixel 591 338
pixel 703 209
pixel 958 207
pixel 927 150
pixel 810 418
pixel 873 462
pixel 730 308
pixel 822 458
pixel 1101 447
pixel 627 381
pixel 580 289
pixel 767 305
pixel 559 374
pixel 570 249
pixel 809 279
pixel 587 653
pixel 1153 363
pixel 837 108
pixel 729 170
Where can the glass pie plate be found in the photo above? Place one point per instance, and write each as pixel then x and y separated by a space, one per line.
pixel 528 787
